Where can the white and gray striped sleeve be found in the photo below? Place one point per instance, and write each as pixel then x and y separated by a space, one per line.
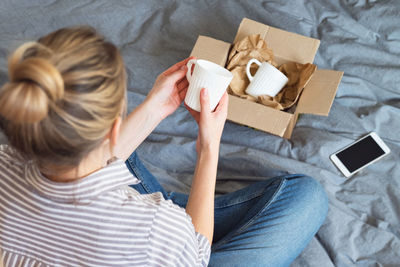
pixel 201 257
pixel 173 240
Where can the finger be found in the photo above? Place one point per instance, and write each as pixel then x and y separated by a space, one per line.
pixel 181 80
pixel 204 103
pixel 177 66
pixel 182 93
pixel 182 84
pixel 195 114
pixel 223 103
pixel 176 76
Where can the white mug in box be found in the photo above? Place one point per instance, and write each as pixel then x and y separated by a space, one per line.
pixel 268 80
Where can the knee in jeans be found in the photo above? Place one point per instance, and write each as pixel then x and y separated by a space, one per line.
pixel 311 199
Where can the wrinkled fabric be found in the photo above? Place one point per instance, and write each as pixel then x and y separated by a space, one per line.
pixel 359 37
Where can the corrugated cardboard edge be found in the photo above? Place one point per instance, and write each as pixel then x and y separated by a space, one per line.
pixel 291 125
pixel 258 116
pixel 211 49
pixel 319 94
pixel 287 46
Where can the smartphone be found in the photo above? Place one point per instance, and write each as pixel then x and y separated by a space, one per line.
pixel 360 154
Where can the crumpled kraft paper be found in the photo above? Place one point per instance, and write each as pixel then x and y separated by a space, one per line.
pixel 253 46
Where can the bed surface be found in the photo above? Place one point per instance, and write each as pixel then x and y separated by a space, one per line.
pixel 361 38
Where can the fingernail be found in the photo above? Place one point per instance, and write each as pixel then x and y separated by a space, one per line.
pixel 183 67
pixel 205 92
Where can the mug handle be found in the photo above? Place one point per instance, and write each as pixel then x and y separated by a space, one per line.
pixel 189 71
pixel 251 61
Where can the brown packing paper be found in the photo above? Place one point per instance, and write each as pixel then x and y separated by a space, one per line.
pixel 249 47
pixel 299 75
pixel 253 46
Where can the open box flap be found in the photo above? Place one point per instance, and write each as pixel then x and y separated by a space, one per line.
pixel 211 49
pixel 318 95
pixel 290 128
pixel 258 116
pixel 287 46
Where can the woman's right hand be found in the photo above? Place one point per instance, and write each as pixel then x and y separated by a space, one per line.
pixel 200 205
pixel 211 123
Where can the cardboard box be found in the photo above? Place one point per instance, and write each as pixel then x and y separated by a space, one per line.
pixel 316 98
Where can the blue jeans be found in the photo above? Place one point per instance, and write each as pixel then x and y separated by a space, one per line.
pixel 267 223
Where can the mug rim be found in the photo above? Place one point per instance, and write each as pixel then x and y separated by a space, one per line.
pixel 217 69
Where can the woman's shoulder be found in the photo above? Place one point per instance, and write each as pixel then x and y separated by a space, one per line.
pixel 164 210
pixel 5 149
pixel 154 202
pixel 165 217
pixel 172 217
pixel 172 234
pixel 9 155
pixel 158 202
pixel 12 164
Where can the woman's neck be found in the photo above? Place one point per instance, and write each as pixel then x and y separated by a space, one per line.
pixel 93 162
pixel 71 175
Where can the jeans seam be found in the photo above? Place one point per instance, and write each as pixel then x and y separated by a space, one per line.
pixel 138 174
pixel 278 179
pixel 242 228
pixel 252 196
pixel 239 202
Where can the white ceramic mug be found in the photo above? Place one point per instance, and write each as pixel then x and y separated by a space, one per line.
pixel 268 80
pixel 207 75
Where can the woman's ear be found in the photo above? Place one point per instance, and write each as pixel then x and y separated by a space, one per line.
pixel 111 140
pixel 115 130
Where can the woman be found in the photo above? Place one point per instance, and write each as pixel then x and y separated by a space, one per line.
pixel 73 193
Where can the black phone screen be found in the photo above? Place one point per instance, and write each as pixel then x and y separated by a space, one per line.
pixel 360 153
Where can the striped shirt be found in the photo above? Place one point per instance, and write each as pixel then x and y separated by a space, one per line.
pixel 95 221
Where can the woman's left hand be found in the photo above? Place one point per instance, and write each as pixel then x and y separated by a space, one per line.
pixel 169 89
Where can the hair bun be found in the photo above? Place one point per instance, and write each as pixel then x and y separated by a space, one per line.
pixel 34 83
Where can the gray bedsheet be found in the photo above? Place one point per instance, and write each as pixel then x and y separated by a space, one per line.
pixel 359 37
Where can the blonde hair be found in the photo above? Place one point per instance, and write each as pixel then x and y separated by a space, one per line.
pixel 65 92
